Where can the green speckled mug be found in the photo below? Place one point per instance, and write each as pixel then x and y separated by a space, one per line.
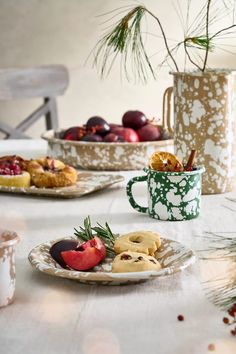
pixel 172 196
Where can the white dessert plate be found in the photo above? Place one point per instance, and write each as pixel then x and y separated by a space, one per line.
pixel 88 182
pixel 172 255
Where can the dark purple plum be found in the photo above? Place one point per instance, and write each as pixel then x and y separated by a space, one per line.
pixel 97 125
pixel 113 138
pixel 114 126
pixel 134 119
pixel 149 132
pixel 92 137
pixel 60 246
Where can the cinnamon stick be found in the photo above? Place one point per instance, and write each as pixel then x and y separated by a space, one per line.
pixel 191 159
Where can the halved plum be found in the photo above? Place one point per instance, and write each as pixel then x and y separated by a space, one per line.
pixel 58 247
pixel 86 256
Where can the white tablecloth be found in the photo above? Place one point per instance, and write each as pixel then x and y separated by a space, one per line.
pixel 53 315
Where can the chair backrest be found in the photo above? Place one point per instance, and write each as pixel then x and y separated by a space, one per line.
pixel 46 82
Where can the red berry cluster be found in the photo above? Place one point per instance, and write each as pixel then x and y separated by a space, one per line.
pixel 232 320
pixel 10 168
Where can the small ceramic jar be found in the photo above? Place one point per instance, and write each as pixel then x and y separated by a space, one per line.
pixel 8 240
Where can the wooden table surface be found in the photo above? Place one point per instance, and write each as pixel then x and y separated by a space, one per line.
pixel 53 315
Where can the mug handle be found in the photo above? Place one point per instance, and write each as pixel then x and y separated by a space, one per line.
pixel 133 203
pixel 166 110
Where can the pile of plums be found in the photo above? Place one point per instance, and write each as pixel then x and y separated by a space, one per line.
pixel 135 127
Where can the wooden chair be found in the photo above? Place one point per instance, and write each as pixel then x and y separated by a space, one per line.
pixel 46 82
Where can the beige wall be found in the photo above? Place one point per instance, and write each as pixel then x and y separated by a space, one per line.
pixel 36 32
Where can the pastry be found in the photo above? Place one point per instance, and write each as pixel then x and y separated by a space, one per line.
pixel 134 262
pixel 12 172
pixel 49 173
pixel 146 242
pixel 14 160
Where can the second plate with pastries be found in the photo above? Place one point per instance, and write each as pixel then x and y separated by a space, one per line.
pixel 15 171
pixel 48 177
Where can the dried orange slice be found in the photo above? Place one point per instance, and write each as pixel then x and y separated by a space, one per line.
pixel 165 161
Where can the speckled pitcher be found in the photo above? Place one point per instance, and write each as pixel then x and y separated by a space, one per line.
pixel 172 196
pixel 8 240
pixel 205 120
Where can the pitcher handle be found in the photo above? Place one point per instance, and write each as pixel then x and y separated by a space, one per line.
pixel 129 186
pixel 166 110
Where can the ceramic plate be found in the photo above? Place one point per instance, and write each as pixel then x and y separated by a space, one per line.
pixel 172 255
pixel 88 182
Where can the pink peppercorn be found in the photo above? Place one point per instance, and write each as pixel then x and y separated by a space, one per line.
pixel 180 317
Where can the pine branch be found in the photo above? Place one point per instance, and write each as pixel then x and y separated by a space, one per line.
pixel 164 37
pixel 125 39
pixel 221 247
pixel 188 55
pixel 221 31
pixel 207 35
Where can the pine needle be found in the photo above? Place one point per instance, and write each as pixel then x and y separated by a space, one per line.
pixel 221 247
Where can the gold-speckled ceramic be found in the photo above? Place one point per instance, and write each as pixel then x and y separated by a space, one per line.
pixel 104 156
pixel 88 182
pixel 205 110
pixel 172 255
pixel 8 240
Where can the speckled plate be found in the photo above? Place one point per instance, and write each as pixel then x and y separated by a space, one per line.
pixel 173 257
pixel 88 182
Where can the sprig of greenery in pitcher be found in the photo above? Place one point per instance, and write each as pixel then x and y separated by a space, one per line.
pixel 125 38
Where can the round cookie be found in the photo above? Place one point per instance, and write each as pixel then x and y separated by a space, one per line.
pixel 146 242
pixel 49 173
pixel 134 262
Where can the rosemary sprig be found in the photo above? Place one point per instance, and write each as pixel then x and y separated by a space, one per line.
pixel 103 232
pixel 85 232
